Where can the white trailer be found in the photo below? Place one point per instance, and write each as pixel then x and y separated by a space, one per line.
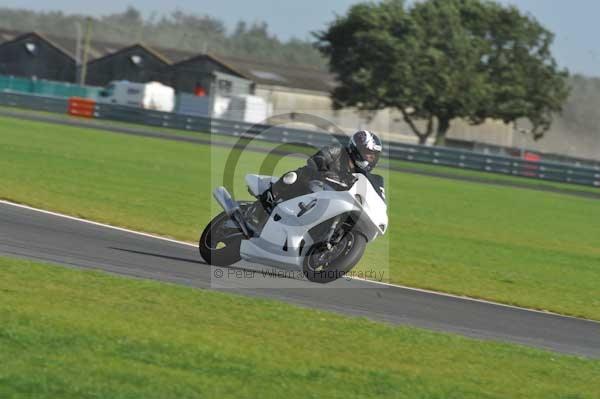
pixel 151 95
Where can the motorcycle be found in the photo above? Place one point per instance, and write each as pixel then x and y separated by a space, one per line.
pixel 322 234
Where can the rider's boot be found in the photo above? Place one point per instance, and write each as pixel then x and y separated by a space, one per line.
pixel 258 213
pixel 255 216
pixel 267 200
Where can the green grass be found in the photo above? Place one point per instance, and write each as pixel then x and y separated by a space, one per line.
pixel 407 166
pixel 80 334
pixel 516 246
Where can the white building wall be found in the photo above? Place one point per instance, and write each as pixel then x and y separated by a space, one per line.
pixel 388 123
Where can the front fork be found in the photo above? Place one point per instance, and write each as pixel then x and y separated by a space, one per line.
pixel 232 209
pixel 331 232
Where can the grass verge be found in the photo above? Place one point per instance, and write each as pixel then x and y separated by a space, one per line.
pixel 82 334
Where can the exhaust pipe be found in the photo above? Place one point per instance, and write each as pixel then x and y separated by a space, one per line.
pixel 232 209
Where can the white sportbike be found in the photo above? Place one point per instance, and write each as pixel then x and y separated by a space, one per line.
pixel 323 234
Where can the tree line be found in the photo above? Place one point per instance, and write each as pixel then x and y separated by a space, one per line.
pixel 178 30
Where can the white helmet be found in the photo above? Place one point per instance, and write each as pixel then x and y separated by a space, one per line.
pixel 364 149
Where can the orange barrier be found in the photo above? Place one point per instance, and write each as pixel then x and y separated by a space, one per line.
pixel 83 107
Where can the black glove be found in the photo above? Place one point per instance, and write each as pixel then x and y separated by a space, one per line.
pixel 330 175
pixel 335 181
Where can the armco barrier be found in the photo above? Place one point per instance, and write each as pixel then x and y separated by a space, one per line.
pixel 550 171
pixel 38 103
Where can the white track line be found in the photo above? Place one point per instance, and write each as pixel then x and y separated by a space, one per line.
pixel 465 298
pixel 96 223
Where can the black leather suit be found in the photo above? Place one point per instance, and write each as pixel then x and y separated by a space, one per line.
pixel 333 162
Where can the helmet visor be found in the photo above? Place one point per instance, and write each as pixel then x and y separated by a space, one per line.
pixel 372 157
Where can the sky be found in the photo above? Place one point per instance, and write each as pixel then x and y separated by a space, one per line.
pixel 576 46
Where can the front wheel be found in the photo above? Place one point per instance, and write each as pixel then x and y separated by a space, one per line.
pixel 324 265
pixel 219 244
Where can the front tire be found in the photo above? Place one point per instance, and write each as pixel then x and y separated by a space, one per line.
pixel 215 247
pixel 319 268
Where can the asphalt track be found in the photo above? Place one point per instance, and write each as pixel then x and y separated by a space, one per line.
pixel 137 130
pixel 28 233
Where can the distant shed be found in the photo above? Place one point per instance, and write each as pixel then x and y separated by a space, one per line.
pixel 197 74
pixel 136 63
pixel 34 55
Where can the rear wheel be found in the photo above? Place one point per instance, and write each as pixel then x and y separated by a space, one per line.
pixel 324 265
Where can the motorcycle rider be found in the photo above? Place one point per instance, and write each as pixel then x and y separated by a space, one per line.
pixel 337 163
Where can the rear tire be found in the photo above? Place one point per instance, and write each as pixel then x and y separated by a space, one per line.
pixel 354 246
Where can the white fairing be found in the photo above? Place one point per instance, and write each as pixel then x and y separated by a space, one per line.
pixel 257 184
pixel 285 237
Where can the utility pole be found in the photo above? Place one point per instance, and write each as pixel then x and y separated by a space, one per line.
pixel 86 47
pixel 78 52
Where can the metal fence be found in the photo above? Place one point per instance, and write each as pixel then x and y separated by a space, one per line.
pixel 549 171
pixel 38 103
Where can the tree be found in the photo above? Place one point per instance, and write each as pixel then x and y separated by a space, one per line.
pixel 444 59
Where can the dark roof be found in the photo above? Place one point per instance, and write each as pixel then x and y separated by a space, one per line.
pixel 173 55
pixel 67 45
pixel 269 73
pixel 260 72
pixel 141 46
pixel 97 48
pixel 208 57
pixel 7 35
